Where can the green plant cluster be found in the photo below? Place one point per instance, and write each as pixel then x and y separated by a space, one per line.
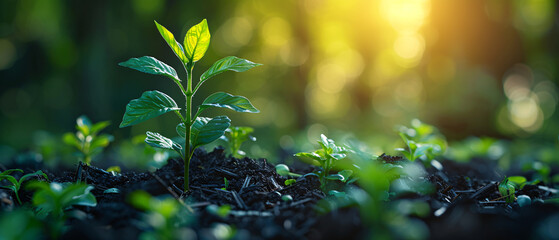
pixel 48 210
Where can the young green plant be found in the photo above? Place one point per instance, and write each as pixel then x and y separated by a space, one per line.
pixel 326 159
pixel 196 130
pixel 422 141
pixel 16 184
pixel 87 140
pixel 235 137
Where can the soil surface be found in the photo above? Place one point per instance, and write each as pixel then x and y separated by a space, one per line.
pixel 465 205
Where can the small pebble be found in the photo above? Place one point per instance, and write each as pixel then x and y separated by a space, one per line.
pixel 287 198
pixel 524 200
pixel 538 201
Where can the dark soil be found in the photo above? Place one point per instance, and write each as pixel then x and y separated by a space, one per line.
pixel 468 192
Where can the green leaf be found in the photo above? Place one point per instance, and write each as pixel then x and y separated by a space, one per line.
pixel 346 174
pixel 181 130
pixel 37 173
pixel 282 170
pixel 157 140
pixel 170 39
pixel 151 104
pixel 226 100
pixel 12 180
pixel 101 141
pixel 197 41
pixel 206 130
pixel 10 171
pixel 83 124
pixel 517 180
pixel 314 158
pixel 78 194
pixel 290 181
pixel 507 190
pixel 230 63
pixel 97 127
pixel 335 177
pixel 151 65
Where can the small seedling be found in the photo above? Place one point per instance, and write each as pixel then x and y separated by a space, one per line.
pixel 225 184
pixel 422 141
pixel 235 137
pixel 326 159
pixel 165 216
pixel 86 139
pixel 507 190
pixel 283 170
pixel 16 184
pixel 289 182
pixel 220 211
pixel 53 198
pixel 196 130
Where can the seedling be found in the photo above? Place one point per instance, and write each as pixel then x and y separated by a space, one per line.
pixel 507 190
pixel 196 130
pixel 326 159
pixel 235 137
pixel 53 198
pixel 86 139
pixel 163 215
pixel 283 170
pixel 422 141
pixel 289 182
pixel 225 184
pixel 16 184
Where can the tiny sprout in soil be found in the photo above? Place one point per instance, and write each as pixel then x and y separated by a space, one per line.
pixel 196 130
pixel 87 140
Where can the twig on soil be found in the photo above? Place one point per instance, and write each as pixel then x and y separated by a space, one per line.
pixel 226 172
pixel 245 184
pixel 275 184
pixel 482 191
pixel 300 202
pixel 238 200
pixel 200 204
pixel 172 192
pixel 78 175
pixel 551 190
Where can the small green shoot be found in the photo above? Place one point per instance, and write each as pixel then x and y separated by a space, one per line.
pixel 53 198
pixel 220 211
pixel 225 184
pixel 507 190
pixel 16 184
pixel 422 141
pixel 87 140
pixel 165 216
pixel 326 159
pixel 235 137
pixel 289 182
pixel 196 130
pixel 283 170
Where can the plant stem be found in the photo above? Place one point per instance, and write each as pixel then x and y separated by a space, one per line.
pixel 187 124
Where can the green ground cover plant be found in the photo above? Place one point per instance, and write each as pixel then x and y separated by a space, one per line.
pixel 196 130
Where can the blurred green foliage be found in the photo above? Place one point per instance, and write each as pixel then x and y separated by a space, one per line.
pixel 469 67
